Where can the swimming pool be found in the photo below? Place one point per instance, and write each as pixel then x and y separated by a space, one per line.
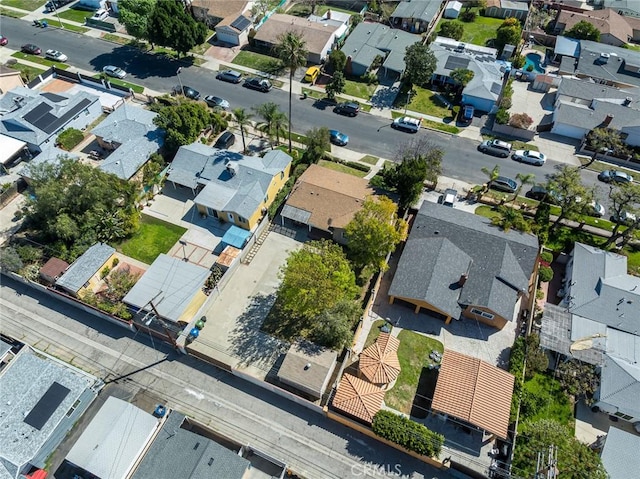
pixel 534 60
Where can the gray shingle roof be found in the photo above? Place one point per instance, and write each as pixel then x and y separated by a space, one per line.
pixel 170 283
pixel 85 267
pixel 622 65
pixel 498 264
pixel 589 117
pixel 51 155
pixel 424 10
pixel 183 454
pixel 133 128
pixel 241 193
pixel 588 91
pixel 620 454
pixel 620 385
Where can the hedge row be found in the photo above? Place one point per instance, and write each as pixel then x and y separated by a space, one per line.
pixel 407 433
pixel 516 367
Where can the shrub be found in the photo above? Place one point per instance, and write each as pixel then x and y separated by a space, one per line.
pixel 545 274
pixel 105 272
pixel 453 29
pixel 530 68
pixel 502 117
pixel 468 16
pixel 546 256
pixel 506 102
pixel 407 433
pixel 70 138
pixel 521 120
pixel 115 262
pixel 518 61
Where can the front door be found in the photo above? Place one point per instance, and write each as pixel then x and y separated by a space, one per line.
pixel 232 219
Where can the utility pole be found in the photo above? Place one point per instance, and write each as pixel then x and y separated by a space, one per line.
pixel 546 468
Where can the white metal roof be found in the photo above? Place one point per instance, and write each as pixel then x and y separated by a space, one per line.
pixel 9 147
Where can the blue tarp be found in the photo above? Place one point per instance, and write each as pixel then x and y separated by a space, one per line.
pixel 236 237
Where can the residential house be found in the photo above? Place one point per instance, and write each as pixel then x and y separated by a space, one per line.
pixel 341 20
pixel 212 12
pixel 583 92
pixel 9 79
pixel 597 322
pixel 507 9
pixel 53 269
pixel 84 274
pixel 452 9
pixel 112 443
pixel 565 52
pixel 628 8
pixel 326 201
pixel 234 30
pixel 42 398
pixel 307 368
pixel 416 16
pixel 229 186
pixel 483 91
pixel 481 390
pixel 620 455
pixel 369 42
pixel 37 117
pixel 185 454
pixel 457 264
pixel 171 288
pixel 614 28
pixel 320 37
pixel 10 150
pixel 51 154
pixel 131 137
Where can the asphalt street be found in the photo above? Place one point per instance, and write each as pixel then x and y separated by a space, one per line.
pixel 312 445
pixel 369 134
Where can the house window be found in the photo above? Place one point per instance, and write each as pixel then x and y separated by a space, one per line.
pixel 483 314
pixel 73 408
pixel 624 416
pixel 282 175
pixel 242 220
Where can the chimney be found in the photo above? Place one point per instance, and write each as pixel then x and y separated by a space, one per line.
pixel 627 101
pixel 463 279
pixel 607 121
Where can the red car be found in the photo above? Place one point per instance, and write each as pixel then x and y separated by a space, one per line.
pixel 3 41
pixel 31 48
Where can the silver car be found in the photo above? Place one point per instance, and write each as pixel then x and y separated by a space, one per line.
pixel 529 156
pixel 56 56
pixel 114 72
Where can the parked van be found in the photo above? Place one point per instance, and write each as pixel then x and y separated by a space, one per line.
pixel 312 74
pixel 225 140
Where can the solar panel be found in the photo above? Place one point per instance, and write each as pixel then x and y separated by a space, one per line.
pixel 47 405
pixel 54 123
pixel 456 62
pixel 53 97
pixel 496 88
pixel 38 112
pixel 241 23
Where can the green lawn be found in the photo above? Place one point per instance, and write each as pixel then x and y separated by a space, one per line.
pixel 120 40
pixel 633 46
pixel 304 10
pixel 374 332
pixel 75 15
pixel 551 402
pixel 440 126
pixel 203 47
pixel 480 31
pixel 11 13
pixel 487 211
pixel 332 165
pixel 154 237
pixel 633 259
pixel 369 159
pixel 257 61
pixel 28 72
pixel 425 101
pixel 116 81
pixel 65 25
pixel 413 354
pixel 40 60
pixel 29 5
pixel 599 166
pixel 359 89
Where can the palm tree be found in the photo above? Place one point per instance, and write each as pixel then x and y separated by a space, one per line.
pixel 243 119
pixel 491 174
pixel 274 121
pixel 603 140
pixel 292 51
pixel 510 218
pixel 525 179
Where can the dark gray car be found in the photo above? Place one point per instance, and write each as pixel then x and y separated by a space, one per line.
pixel 502 183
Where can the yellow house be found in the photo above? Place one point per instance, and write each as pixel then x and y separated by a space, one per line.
pixel 84 274
pixel 229 186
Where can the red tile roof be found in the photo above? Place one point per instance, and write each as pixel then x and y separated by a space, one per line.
pixel 358 398
pixel 379 362
pixel 474 391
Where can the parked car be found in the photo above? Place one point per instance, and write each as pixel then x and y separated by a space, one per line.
pixel 31 49
pixel 406 123
pixel 257 83
pixel 465 117
pixel 615 176
pixel 537 192
pixel 625 218
pixel 100 14
pixel 216 102
pixel 114 71
pixel 3 40
pixel 312 74
pixel 529 156
pixel 502 183
pixel 495 147
pixel 230 76
pixel 595 209
pixel 338 138
pixel 348 108
pixel 225 140
pixel 54 4
pixel 186 91
pixel 55 55
pixel 448 198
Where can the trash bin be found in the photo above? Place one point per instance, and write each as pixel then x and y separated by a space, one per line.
pixel 44 24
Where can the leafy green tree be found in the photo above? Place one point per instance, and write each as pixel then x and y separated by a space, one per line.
pixel 318 143
pixel 408 178
pixel 291 49
pixel 275 121
pixel 427 150
pixel 337 60
pixel 134 15
pixel 566 185
pixel 578 379
pixel 185 121
pixel 336 85
pixel 545 274
pixel 170 25
pixel 462 76
pixel 602 140
pixel 374 232
pixel 420 64
pixel 541 221
pixel 509 218
pixel 452 29
pixel 333 328
pixel 10 260
pixel 119 282
pixel 583 30
pixel 624 197
pixel 315 279
pixel 525 179
pixel 508 33
pixel 243 119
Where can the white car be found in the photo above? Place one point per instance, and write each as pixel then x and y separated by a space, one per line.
pixel 529 156
pixel 100 14
pixel 56 56
pixel 625 218
pixel 596 210
pixel 406 123
pixel 114 71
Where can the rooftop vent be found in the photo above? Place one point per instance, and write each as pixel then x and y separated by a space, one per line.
pixel 627 101
pixel 232 168
pixel 463 279
pixel 604 57
pixel 307 366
